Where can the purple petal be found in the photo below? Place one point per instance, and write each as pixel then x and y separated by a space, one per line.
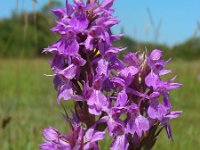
pixel 51 134
pixel 69 45
pixel 60 13
pixel 97 102
pixel 118 82
pixel 173 114
pixel 112 51
pixel 171 86
pixel 107 84
pixel 121 99
pixel 48 146
pixel 162 111
pixel 131 126
pixel 115 126
pixel 102 68
pixel 152 112
pixel 120 143
pixel 164 72
pixel 106 38
pixel 166 101
pixel 58 63
pixel 65 92
pixel 89 133
pixel 97 82
pixel 69 72
pixel 156 54
pixel 77 97
pixel 116 63
pixel 98 136
pixel 79 20
pixel 107 4
pixel 78 60
pixel 142 124
pixel 152 80
pixel 131 59
pixel 94 109
pixel 131 70
pixel 154 95
pixel 89 43
pixel 109 23
pixel 168 130
pixel 69 8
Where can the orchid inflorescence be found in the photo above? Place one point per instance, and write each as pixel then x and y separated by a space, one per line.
pixel 125 98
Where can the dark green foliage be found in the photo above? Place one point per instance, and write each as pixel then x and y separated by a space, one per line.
pixel 25 35
pixel 187 50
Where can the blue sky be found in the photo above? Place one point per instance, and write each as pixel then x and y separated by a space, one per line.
pixel 178 17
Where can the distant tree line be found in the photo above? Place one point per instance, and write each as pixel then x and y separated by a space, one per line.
pixel 26 34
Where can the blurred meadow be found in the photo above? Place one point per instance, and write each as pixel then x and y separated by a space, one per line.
pixel 28 99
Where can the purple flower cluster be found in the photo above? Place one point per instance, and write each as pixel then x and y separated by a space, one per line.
pixel 127 97
pixel 77 139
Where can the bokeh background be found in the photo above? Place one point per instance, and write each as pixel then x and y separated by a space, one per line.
pixel 28 99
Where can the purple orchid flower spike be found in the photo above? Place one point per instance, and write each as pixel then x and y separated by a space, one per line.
pixel 128 99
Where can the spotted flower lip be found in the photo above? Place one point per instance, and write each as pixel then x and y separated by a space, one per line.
pixel 51 133
pixel 53 140
pixel 97 102
pixel 120 142
pixel 126 98
pixel 91 137
pixel 137 125
pixel 79 20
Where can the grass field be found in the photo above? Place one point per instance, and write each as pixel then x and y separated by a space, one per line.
pixel 28 97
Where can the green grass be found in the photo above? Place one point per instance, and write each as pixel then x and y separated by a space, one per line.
pixel 28 97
